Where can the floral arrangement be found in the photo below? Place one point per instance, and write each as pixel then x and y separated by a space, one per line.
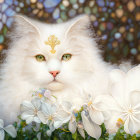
pixel 112 116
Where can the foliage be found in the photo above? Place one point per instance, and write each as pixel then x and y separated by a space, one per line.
pixel 30 132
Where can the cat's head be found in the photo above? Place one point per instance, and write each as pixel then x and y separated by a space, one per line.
pixel 53 56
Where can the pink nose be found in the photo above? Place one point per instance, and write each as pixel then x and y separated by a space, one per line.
pixel 54 73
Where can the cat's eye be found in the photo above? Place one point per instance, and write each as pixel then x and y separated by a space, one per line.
pixel 40 57
pixel 66 57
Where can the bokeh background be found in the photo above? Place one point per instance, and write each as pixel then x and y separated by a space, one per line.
pixel 116 22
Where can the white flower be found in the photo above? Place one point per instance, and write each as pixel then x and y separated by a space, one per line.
pixel 51 116
pixel 73 125
pixel 10 129
pixel 81 129
pixel 91 128
pixel 30 110
pixel 66 110
pixel 69 113
pixel 39 136
pixel 97 107
pixel 126 92
pixel 96 111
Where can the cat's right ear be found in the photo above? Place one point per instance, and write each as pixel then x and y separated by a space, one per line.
pixel 79 26
pixel 24 26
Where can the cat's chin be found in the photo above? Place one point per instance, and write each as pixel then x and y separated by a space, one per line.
pixel 55 86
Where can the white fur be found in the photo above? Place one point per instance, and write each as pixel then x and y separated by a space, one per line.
pixel 21 74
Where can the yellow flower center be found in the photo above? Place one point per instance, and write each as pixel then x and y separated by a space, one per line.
pixel 50 118
pixel 119 122
pixel 89 103
pixel 40 95
pixel 130 111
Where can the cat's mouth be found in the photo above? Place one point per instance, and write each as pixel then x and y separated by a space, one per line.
pixel 55 85
pixel 54 80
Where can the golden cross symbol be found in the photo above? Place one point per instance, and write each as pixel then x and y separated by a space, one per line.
pixel 52 41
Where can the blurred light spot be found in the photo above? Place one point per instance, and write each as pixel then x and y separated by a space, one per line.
pixel 100 3
pixel 1 38
pixel 119 13
pixel 131 6
pixel 133 51
pixel 117 35
pixel 56 13
pixel 51 3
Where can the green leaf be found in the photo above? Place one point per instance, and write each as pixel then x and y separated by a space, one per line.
pixel 74 136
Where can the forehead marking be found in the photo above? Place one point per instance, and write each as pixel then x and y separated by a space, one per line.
pixel 52 41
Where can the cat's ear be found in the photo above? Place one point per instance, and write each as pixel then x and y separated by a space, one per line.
pixel 79 25
pixel 24 26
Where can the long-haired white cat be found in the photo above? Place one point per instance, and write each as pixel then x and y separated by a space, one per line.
pixel 63 58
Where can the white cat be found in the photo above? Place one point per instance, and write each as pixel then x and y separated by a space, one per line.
pixel 70 70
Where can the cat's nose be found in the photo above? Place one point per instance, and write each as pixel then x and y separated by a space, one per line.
pixel 54 73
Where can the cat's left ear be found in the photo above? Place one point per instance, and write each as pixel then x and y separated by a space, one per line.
pixel 24 26
pixel 79 25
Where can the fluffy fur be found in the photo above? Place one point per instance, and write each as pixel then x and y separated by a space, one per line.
pixel 20 73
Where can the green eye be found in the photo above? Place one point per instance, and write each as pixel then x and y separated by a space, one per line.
pixel 66 57
pixel 40 58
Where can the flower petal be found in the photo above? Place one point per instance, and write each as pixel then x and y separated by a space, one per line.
pixel 2 134
pixel 51 126
pixel 135 98
pixel 49 133
pixel 39 136
pixel 27 114
pixel 29 119
pixel 66 105
pixel 10 129
pixel 82 133
pixel 111 123
pixel 63 114
pixel 133 79
pixel 26 105
pixel 37 127
pixel 65 120
pixel 105 102
pixel 126 126
pixel 46 108
pixel 131 126
pixel 58 124
pixel 53 108
pixel 72 126
pixel 106 114
pixel 96 116
pixel 91 128
pixel 37 120
pixel 36 103
pixel 117 86
pixel 42 117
